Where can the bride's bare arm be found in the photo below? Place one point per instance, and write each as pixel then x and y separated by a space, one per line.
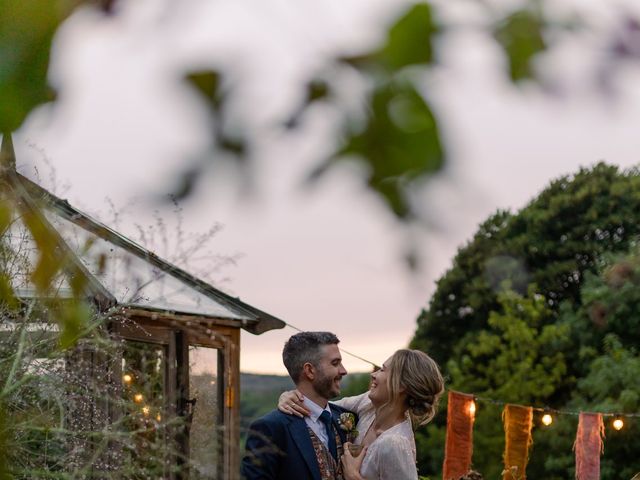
pixel 352 404
pixel 290 402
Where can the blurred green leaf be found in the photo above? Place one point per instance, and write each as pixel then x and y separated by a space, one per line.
pixel 71 315
pixel 5 216
pixel 7 296
pixel 520 36
pixel 4 444
pixel 207 82
pixel 78 282
pixel 50 261
pixel 317 89
pixel 73 318
pixel 409 42
pixel 186 183
pixel 26 30
pixel 233 144
pixel 399 142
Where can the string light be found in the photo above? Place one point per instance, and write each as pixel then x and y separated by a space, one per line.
pixel 553 411
pixel 127 378
pixel 546 417
pixel 472 406
pixel 618 423
pixel 342 350
pixel 138 398
pixel 146 410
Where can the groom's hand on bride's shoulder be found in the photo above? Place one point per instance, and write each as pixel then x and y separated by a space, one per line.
pixel 290 402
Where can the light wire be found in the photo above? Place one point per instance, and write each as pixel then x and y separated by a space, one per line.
pixel 341 349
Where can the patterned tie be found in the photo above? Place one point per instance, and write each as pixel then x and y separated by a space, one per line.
pixel 325 418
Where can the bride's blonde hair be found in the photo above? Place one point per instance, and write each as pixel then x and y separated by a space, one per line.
pixel 417 375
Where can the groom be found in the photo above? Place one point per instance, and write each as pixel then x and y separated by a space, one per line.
pixel 286 447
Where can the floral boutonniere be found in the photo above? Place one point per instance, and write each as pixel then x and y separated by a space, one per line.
pixel 347 422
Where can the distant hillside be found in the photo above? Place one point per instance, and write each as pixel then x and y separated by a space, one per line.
pixel 259 395
pixel 252 382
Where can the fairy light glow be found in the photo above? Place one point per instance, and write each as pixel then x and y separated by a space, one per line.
pixel 472 408
pixel 127 378
pixel 138 398
pixel 547 419
pixel 618 424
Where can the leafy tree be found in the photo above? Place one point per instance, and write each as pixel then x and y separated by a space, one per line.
pixel 582 357
pixel 613 385
pixel 355 384
pixel 610 302
pixel 498 338
pixel 605 333
pixel 519 356
pixel 552 242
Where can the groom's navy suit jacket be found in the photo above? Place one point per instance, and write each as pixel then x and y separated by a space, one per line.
pixel 279 448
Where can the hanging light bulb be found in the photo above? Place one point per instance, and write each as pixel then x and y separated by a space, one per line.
pixel 618 423
pixel 547 419
pixel 472 408
pixel 127 378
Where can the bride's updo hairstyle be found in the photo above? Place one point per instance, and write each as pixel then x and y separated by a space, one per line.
pixel 417 375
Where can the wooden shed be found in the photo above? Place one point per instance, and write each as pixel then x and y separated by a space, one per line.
pixel 178 337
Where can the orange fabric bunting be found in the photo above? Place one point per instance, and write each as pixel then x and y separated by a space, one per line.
pixel 518 421
pixel 589 446
pixel 459 445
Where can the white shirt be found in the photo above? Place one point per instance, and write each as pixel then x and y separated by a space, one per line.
pixel 313 420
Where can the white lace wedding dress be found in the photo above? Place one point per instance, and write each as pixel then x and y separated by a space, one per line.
pixel 391 456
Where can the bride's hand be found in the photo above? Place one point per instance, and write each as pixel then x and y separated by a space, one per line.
pixel 291 403
pixel 351 465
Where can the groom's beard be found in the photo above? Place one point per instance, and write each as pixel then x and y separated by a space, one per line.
pixel 326 388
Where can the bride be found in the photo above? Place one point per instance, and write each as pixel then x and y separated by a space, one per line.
pixel 403 395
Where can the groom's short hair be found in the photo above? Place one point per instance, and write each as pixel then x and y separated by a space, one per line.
pixel 304 347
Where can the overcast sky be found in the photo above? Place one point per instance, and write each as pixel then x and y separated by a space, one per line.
pixel 323 258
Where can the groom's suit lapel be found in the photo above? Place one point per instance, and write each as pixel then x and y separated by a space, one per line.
pixel 300 434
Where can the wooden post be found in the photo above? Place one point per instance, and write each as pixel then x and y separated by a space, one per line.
pixel 232 406
pixel 182 374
